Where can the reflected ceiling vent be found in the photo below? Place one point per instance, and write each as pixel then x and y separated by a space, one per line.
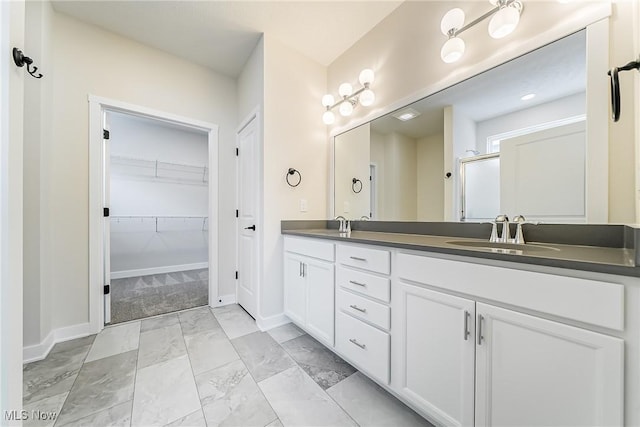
pixel 406 114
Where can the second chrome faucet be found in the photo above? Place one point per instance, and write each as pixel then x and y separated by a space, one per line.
pixel 505 236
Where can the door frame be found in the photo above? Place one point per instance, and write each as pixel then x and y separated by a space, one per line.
pixel 97 107
pixel 254 115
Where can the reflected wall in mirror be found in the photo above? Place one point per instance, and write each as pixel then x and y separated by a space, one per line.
pixel 513 139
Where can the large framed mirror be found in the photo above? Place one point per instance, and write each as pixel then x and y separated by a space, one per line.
pixel 512 140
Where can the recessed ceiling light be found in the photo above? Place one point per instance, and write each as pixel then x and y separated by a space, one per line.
pixel 406 114
pixel 528 96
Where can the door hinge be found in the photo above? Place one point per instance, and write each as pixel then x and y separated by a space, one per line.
pixel 237 151
pixel 237 213
pixel 107 289
pixel 105 212
pixel 236 275
pixel 105 134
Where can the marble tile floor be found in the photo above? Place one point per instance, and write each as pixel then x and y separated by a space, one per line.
pixel 204 367
pixel 139 297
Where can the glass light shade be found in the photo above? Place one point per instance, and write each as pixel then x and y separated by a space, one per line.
pixel 328 117
pixel 367 97
pixel 504 22
pixel 366 76
pixel 345 89
pixel 452 50
pixel 327 100
pixel 346 108
pixel 452 19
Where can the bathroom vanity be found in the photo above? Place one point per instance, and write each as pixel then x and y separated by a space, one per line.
pixel 467 333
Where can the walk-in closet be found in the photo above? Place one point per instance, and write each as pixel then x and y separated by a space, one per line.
pixel 157 180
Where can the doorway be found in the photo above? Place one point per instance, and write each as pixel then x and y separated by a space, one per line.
pixel 156 189
pixel 153 212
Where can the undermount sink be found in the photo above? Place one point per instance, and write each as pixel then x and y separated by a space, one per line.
pixel 503 247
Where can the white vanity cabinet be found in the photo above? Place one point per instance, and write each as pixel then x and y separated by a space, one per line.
pixel 434 344
pixel 363 315
pixel 534 372
pixel 309 286
pixel 527 370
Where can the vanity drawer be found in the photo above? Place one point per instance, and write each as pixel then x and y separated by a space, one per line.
pixel 375 260
pixel 364 283
pixel 364 308
pixel 310 247
pixel 367 347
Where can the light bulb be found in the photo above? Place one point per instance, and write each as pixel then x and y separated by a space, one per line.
pixel 328 117
pixel 366 76
pixel 367 97
pixel 327 100
pixel 453 19
pixel 504 22
pixel 346 108
pixel 345 89
pixel 452 50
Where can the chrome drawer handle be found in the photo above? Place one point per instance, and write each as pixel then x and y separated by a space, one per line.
pixel 353 282
pixel 357 259
pixel 355 307
pixel 362 346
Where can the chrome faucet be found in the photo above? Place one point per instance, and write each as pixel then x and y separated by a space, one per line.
pixel 343 226
pixel 519 220
pixel 506 234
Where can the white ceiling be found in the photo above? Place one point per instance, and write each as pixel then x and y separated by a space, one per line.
pixel 551 72
pixel 222 34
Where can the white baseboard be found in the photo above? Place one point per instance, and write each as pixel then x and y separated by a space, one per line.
pixel 158 270
pixel 223 300
pixel 266 323
pixel 36 352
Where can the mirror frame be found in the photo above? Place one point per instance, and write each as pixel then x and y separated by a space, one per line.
pixel 597 113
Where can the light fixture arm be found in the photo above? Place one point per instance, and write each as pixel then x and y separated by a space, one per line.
pixel 454 32
pixel 353 98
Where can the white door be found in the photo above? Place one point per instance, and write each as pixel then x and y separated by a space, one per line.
pixel 295 289
pixel 106 156
pixel 247 139
pixel 535 372
pixel 320 280
pixel 436 335
pixel 555 192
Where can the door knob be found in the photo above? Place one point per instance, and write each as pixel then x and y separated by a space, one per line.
pixel 253 227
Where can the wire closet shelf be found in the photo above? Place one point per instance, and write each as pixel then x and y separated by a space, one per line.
pixel 158 223
pixel 159 170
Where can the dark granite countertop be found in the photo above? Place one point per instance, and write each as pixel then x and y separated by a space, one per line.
pixel 612 259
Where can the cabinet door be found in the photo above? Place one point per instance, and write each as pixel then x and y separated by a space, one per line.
pixel 295 289
pixel 436 339
pixel 320 299
pixel 535 372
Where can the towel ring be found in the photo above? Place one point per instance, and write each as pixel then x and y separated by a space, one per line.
pixel 290 172
pixel 354 183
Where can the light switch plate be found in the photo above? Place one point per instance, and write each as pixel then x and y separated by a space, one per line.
pixel 346 207
pixel 303 205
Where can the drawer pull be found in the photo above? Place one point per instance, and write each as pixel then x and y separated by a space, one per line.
pixel 355 307
pixel 357 258
pixel 362 346
pixel 353 282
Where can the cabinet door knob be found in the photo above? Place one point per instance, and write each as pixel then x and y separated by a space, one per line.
pixel 467 315
pixel 355 307
pixel 354 341
pixel 480 336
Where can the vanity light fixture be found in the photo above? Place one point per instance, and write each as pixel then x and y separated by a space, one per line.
pixel 505 17
pixel 348 99
pixel 528 96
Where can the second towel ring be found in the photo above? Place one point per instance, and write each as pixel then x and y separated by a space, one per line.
pixel 354 183
pixel 290 172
